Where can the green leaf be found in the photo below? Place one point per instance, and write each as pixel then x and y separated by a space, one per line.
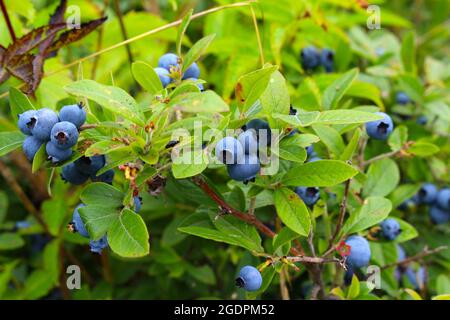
pixel 98 219
pixel 5 275
pixel 111 98
pixel 334 93
pixel 102 194
pixel 39 158
pixel 331 138
pixel 54 212
pixel 128 235
pixel 423 149
pixel 398 138
pixel 10 241
pixel 441 297
pixel 373 211
pixel 367 91
pixel 251 86
pixel 353 290
pixel 350 149
pixel 10 141
pixel 321 173
pixel 146 76
pixel 207 101
pixel 18 102
pixel 403 193
pixel 276 96
pixel 182 30
pixel 4 203
pixel 286 235
pixel 51 259
pixel 38 284
pixel 292 211
pixel 346 117
pixel 104 147
pixel 408 231
pixel 189 164
pixel 267 277
pixel 196 51
pixel 290 148
pixel 413 294
pixel 408 53
pixel 383 177
pixel 203 274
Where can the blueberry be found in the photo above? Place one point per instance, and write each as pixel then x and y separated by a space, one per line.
pixel 411 275
pixel 106 177
pixel 44 121
pixel 71 174
pixel 443 199
pixel 30 146
pixel 74 113
pixel 348 276
pixel 199 85
pixel 359 251
pixel 401 254
pixel 27 121
pixel 22 224
pixel 249 278
pixel 77 223
pixel 310 58
pixel 98 245
pixel 64 135
pixel 310 150
pixel 402 98
pixel 380 129
pixel 422 120
pixel 192 72
pixel 90 165
pixel 327 60
pixel 137 203
pixel 55 154
pixel 164 77
pixel 169 61
pixel 439 216
pixel 263 132
pixel 426 194
pixel 390 228
pixel 405 205
pixel 249 141
pixel 229 150
pixel 309 195
pixel 244 170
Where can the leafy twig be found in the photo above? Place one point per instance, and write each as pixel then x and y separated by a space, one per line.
pixel 426 252
pixel 390 154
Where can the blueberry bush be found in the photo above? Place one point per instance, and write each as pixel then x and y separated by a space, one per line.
pixel 221 149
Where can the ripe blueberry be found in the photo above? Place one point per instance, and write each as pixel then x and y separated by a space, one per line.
pixel 98 245
pixel 192 72
pixel 439 216
pixel 359 251
pixel 30 146
pixel 390 228
pixel 310 58
pixel 327 60
pixel 106 177
pixel 90 165
pixel 263 132
pixel 74 113
pixel 44 121
pixel 249 141
pixel 137 203
pixel 64 135
pixel 380 129
pixel 169 61
pixel 426 194
pixel 77 223
pixel 229 150
pixel 244 170
pixel 27 121
pixel 309 195
pixel 71 174
pixel 422 120
pixel 402 98
pixel 55 154
pixel 249 278
pixel 443 199
pixel 163 75
pixel 310 150
pixel 24 224
pixel 401 254
pixel 405 205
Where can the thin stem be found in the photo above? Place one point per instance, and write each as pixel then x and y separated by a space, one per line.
pixel 251 207
pixel 283 287
pixel 123 30
pixel 88 126
pixel 258 36
pixel 8 21
pixel 342 209
pixel 99 41
pixel 380 157
pixel 426 252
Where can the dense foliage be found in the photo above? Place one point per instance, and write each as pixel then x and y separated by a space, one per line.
pixel 282 149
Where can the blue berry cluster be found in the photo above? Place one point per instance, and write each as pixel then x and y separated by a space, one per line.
pixel 437 200
pixel 311 59
pixel 169 64
pixel 241 155
pixel 249 279
pixel 60 133
pixel 82 169
pixel 380 129
pixel 358 257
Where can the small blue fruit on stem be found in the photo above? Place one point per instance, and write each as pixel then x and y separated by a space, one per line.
pixel 426 194
pixel 249 141
pixel 31 146
pixel 64 135
pixel 443 199
pixel 164 77
pixel 77 224
pixel 402 98
pixel 90 165
pixel 44 121
pixel 192 72
pixel 309 195
pixel 169 61
pixel 380 129
pixel 249 278
pixel 73 113
pixel 359 251
pixel 310 58
pixel 137 203
pixel 106 177
pixel 71 174
pixel 390 229
pixel 55 154
pixel 438 215
pixel 27 121
pixel 229 150
pixel 97 246
pixel 244 170
pixel 327 60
